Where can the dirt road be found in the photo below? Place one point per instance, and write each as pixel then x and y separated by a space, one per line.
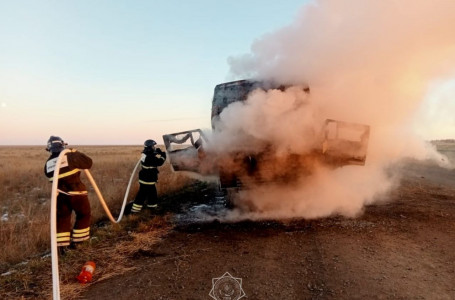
pixel 403 249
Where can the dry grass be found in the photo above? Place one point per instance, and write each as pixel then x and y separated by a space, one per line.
pixel 25 194
pixel 24 228
pixel 115 249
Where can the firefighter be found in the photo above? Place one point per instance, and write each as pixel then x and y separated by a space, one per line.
pixel 72 194
pixel 152 157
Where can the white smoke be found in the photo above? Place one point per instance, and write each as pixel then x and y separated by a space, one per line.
pixel 368 62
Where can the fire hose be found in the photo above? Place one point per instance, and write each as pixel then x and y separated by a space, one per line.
pixel 54 254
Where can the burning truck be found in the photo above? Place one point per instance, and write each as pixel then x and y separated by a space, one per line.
pixel 257 161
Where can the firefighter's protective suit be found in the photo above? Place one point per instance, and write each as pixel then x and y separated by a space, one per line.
pixel 72 194
pixel 151 159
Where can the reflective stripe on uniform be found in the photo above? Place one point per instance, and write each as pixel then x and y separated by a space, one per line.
pixel 78 231
pixel 65 174
pixel 80 235
pixel 144 167
pixel 145 182
pixel 81 239
pixel 136 208
pixel 72 193
pixel 152 205
pixel 63 237
pixel 81 230
pixel 77 193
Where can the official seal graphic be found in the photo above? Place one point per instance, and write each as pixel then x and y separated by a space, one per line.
pixel 227 287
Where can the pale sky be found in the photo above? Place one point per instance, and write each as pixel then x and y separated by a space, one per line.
pixel 120 72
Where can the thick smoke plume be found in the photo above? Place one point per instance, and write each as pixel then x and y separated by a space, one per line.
pixel 368 62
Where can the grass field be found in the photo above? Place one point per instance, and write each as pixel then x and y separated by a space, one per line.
pixel 25 193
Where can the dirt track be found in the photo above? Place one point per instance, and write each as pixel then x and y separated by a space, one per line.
pixel 403 249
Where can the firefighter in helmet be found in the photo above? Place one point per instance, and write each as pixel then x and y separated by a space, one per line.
pixel 152 157
pixel 72 193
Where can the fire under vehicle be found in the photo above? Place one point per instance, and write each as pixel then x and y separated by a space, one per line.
pixel 338 144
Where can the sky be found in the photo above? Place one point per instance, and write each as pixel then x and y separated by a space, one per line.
pixel 121 72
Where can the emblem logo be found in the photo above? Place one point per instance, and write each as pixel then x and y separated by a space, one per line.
pixel 227 287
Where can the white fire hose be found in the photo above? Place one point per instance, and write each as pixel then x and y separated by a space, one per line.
pixel 54 254
pixel 100 197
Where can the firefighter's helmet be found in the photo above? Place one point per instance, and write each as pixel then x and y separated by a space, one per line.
pixel 149 143
pixel 55 144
